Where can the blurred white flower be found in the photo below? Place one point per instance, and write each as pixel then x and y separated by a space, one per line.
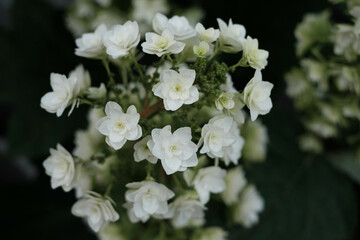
pixel 235 182
pixel 60 167
pixel 90 45
pixel 231 36
pixel 183 210
pixel 176 88
pixel 142 151
pixel 83 181
pixel 175 150
pixel 257 96
pixel 145 199
pixel 145 10
pixel 209 35
pixel 248 208
pixel 117 126
pixel 121 39
pixel 61 96
pixel 161 44
pixel 111 232
pixel 178 26
pixel 209 180
pixel 97 92
pixel 232 153
pixel 202 49
pixel 225 100
pixel 216 135
pixel 255 57
pixel 82 82
pixel 210 233
pixel 96 209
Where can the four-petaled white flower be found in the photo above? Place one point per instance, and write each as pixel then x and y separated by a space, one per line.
pixel 161 44
pixel 83 80
pixel 248 208
pixel 90 45
pixel 209 35
pixel 146 199
pixel 178 26
pixel 143 152
pixel 176 88
pixel 60 167
pixel 202 49
pixel 225 100
pixel 118 126
pixel 61 96
pixel 96 209
pixel 97 92
pixel 255 57
pixel 209 180
pixel 216 136
pixel 235 182
pixel 175 150
pixel 231 36
pixel 183 210
pixel 257 96
pixel 121 39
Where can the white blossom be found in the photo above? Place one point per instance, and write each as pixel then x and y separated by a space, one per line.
pixel 96 209
pixel 83 181
pixel 142 151
pixel 248 208
pixel 97 92
pixel 255 57
pixel 145 10
pixel 232 153
pixel 118 126
pixel 209 35
pixel 111 232
pixel 183 210
pixel 178 26
pixel 256 139
pixel 211 233
pixel 216 135
pixel 257 96
pixel 145 199
pixel 225 100
pixel 161 44
pixel 231 36
pixel 175 150
pixel 202 49
pixel 90 45
pixel 82 82
pixel 61 96
pixel 85 145
pixel 121 39
pixel 176 88
pixel 235 182
pixel 209 180
pixel 60 167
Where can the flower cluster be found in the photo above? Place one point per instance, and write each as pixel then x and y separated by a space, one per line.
pixel 162 138
pixel 326 85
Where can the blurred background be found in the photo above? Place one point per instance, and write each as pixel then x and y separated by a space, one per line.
pixel 306 199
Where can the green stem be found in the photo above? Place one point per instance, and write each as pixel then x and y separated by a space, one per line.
pixel 111 82
pixel 137 65
pixel 177 182
pixel 216 51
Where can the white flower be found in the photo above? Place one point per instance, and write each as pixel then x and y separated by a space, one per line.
pixel 176 88
pixel 83 80
pixel 225 100
pixel 256 139
pixel 202 49
pixel 232 153
pixel 257 96
pixel 235 182
pixel 118 126
pixel 85 145
pixel 145 199
pixel 209 35
pixel 121 39
pixel 249 206
pixel 161 44
pixel 210 233
pixel 228 86
pixel 62 95
pixel 97 210
pixel 255 57
pixel 178 26
pixel 145 10
pixel 231 36
pixel 61 167
pixel 111 232
pixel 175 150
pixel 97 92
pixel 142 151
pixel 209 180
pixel 90 45
pixel 183 210
pixel 83 182
pixel 216 135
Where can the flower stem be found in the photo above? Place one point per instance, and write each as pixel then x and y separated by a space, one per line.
pixel 150 110
pixel 111 82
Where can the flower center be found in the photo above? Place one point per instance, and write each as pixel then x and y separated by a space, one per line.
pixel 173 148
pixel 162 42
pixel 177 88
pixel 120 125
